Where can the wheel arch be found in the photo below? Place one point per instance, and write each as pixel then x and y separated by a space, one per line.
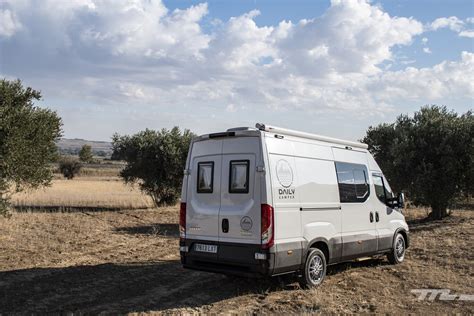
pixel 322 244
pixel 404 233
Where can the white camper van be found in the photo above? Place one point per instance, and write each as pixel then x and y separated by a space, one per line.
pixel 268 201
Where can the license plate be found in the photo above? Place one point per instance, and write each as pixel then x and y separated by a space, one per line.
pixel 205 248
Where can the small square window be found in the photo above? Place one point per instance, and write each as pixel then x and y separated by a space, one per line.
pixel 239 176
pixel 205 177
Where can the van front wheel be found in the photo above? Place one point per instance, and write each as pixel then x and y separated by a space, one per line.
pixel 314 269
pixel 397 255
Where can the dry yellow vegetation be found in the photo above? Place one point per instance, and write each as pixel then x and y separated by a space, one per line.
pixel 87 192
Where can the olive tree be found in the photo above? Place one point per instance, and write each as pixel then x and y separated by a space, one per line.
pixel 428 155
pixel 85 154
pixel 155 160
pixel 28 136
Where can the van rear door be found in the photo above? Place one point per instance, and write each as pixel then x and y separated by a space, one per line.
pixel 204 191
pixel 239 216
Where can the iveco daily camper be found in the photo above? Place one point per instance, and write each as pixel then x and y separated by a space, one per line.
pixel 270 201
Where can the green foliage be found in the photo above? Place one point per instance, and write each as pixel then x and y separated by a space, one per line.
pixel 85 155
pixel 155 160
pixel 429 155
pixel 69 167
pixel 27 140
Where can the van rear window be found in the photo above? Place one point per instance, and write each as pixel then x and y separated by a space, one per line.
pixel 205 182
pixel 239 176
pixel 353 182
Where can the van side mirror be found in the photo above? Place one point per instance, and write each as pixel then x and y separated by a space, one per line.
pixel 401 200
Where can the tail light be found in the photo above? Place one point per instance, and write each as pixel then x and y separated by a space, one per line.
pixel 267 226
pixel 182 221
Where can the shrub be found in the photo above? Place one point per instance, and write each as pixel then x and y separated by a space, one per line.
pixel 69 167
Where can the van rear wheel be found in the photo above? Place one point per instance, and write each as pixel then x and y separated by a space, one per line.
pixel 397 255
pixel 314 270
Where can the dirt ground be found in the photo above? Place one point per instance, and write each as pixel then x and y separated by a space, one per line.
pixel 128 262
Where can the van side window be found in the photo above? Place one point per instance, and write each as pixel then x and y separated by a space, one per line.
pixel 382 189
pixel 239 176
pixel 353 182
pixel 205 183
pixel 379 190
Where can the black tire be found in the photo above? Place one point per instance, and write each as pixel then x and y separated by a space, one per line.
pixel 315 261
pixel 397 254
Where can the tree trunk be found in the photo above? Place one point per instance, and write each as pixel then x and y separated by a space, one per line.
pixel 438 212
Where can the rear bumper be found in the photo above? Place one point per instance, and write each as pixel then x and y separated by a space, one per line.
pixel 231 258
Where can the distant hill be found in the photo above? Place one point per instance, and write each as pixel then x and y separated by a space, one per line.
pixel 73 146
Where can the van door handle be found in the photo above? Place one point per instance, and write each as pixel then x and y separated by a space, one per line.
pixel 377 216
pixel 225 225
pixel 371 217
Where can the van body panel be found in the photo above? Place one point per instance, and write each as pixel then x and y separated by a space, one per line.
pixel 241 210
pixel 285 199
pixel 359 234
pixel 288 255
pixel 203 208
pixel 303 178
pixel 373 166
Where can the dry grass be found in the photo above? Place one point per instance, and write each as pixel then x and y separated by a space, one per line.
pixel 99 172
pixel 128 261
pixel 87 192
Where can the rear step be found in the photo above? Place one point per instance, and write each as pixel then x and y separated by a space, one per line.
pixel 363 259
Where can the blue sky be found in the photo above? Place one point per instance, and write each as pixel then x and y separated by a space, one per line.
pixel 332 68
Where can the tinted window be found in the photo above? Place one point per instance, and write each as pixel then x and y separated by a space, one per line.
pixel 379 190
pixel 205 182
pixel 353 183
pixel 239 176
pixel 382 189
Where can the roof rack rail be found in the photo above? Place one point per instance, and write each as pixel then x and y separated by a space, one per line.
pixel 289 132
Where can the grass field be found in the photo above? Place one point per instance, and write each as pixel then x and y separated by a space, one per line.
pixel 90 260
pixel 94 193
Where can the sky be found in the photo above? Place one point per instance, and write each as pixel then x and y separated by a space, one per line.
pixel 327 67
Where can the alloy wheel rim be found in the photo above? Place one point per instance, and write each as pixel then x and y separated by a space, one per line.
pixel 316 269
pixel 400 248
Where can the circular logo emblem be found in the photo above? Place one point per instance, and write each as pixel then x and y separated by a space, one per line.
pixel 246 223
pixel 284 173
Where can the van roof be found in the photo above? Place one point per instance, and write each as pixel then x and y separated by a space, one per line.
pixel 289 132
pixel 259 127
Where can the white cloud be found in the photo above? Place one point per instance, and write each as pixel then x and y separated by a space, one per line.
pixel 352 36
pixel 454 24
pixel 9 23
pixel 446 80
pixel 467 33
pixel 138 53
pixel 427 50
pixel 424 40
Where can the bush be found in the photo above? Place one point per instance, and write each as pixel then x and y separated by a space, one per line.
pixel 69 167
pixel 155 160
